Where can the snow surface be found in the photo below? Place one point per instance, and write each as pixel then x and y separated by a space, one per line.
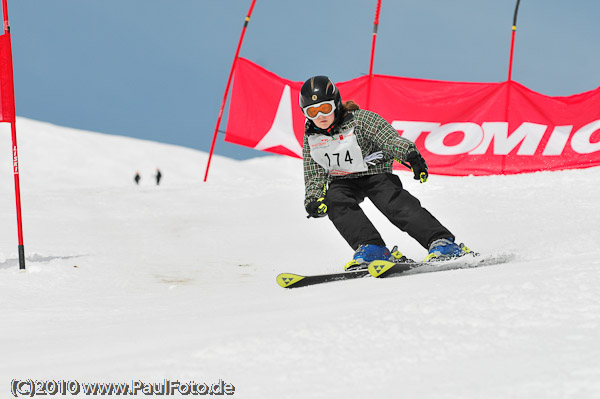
pixel 177 281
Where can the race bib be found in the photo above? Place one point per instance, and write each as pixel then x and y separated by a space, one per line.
pixel 339 154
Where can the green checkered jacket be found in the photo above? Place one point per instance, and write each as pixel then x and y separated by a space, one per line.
pixel 373 134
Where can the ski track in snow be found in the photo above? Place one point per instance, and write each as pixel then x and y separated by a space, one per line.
pixel 128 282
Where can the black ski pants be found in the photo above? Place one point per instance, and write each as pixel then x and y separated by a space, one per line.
pixel 386 192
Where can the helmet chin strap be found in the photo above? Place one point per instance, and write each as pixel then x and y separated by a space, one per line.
pixel 328 130
pixel 337 121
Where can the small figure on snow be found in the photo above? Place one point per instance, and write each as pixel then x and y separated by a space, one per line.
pixel 158 176
pixel 137 178
pixel 348 156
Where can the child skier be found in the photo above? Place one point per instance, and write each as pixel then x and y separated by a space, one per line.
pixel 348 155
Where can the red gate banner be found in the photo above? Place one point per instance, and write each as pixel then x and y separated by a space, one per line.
pixel 460 128
pixel 7 105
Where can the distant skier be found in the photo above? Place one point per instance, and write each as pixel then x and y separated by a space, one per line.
pixel 137 178
pixel 348 155
pixel 158 176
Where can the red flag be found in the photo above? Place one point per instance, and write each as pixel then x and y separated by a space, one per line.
pixel 7 93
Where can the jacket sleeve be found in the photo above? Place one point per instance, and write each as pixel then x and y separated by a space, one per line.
pixel 388 139
pixel 315 176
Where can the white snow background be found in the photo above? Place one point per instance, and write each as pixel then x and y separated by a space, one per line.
pixel 177 281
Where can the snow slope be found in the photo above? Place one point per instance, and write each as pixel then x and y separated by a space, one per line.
pixel 127 282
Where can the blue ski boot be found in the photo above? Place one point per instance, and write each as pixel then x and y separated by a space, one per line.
pixel 365 254
pixel 445 248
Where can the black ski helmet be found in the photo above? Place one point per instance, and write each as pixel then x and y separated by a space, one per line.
pixel 318 89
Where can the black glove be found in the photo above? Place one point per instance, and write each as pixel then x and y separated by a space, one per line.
pixel 317 209
pixel 418 166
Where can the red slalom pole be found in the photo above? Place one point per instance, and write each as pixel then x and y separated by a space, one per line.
pixel 512 48
pixel 375 26
pixel 8 97
pixel 510 65
pixel 237 52
pixel 13 129
pixel 512 41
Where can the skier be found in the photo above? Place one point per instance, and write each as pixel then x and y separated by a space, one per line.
pixel 137 178
pixel 348 155
pixel 158 176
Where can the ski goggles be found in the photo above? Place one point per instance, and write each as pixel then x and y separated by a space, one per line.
pixel 324 108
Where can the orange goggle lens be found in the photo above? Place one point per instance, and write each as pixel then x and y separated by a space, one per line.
pixel 325 109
